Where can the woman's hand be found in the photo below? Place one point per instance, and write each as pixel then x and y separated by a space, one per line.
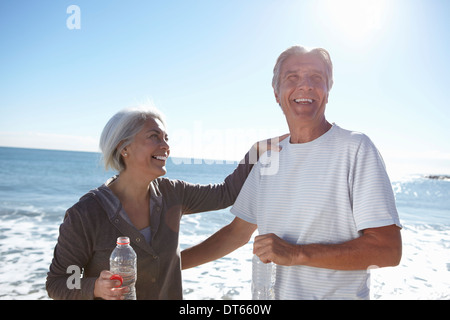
pixel 260 147
pixel 106 288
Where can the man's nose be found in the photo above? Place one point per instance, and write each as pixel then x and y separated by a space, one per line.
pixel 304 83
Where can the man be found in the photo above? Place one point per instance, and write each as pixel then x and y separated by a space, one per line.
pixel 328 213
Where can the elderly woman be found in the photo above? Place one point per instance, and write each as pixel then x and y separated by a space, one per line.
pixel 137 203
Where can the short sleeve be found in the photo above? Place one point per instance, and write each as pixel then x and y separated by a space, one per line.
pixel 246 203
pixel 372 194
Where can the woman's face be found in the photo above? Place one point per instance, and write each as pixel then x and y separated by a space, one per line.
pixel 149 150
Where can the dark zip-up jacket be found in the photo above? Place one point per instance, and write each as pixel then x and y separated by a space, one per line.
pixel 90 228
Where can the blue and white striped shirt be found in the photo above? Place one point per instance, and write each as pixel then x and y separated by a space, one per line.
pixel 325 191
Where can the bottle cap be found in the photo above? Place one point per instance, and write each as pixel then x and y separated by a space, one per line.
pixel 123 240
pixel 117 277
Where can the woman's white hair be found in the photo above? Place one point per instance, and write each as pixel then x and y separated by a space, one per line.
pixel 299 50
pixel 120 131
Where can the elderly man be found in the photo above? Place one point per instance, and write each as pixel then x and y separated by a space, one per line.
pixel 328 213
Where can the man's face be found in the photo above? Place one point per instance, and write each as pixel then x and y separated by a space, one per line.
pixel 303 91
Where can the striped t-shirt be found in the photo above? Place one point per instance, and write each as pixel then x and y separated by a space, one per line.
pixel 324 191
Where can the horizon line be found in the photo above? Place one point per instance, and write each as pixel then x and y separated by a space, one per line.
pixel 182 158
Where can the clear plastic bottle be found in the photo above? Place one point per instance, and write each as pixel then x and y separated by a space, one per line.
pixel 263 279
pixel 123 262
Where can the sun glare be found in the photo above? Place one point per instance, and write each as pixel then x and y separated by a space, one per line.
pixel 354 19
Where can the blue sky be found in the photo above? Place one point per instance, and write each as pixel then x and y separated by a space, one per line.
pixel 208 66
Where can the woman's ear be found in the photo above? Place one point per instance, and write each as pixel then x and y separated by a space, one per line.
pixel 124 152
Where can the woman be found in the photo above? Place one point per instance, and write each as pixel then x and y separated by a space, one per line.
pixel 137 203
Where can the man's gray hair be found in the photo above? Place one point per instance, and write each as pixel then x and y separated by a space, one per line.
pixel 120 131
pixel 299 50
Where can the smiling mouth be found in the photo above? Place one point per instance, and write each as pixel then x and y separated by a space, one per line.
pixel 305 101
pixel 161 158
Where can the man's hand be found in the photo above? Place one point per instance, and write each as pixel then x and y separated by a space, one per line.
pixel 270 248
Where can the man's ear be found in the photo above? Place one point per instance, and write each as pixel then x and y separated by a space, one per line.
pixel 276 97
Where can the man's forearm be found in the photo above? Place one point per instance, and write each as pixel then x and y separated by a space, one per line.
pixel 376 247
pixel 371 249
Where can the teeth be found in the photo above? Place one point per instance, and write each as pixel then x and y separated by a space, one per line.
pixel 160 157
pixel 303 100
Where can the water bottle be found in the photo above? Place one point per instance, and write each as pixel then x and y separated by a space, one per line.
pixel 263 279
pixel 123 263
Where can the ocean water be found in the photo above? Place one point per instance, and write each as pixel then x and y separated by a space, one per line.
pixel 37 186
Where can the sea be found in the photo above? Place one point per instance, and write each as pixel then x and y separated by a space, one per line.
pixel 38 186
